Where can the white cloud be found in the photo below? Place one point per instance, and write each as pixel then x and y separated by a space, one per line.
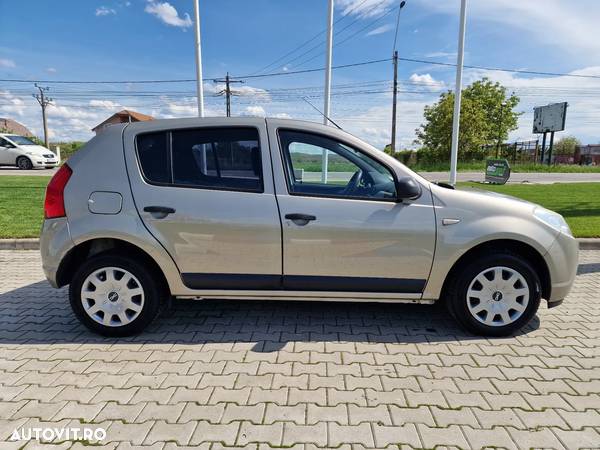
pixel 11 104
pixel 167 13
pixel 282 116
pixel 106 104
pixel 51 70
pixel 571 26
pixel 380 30
pixel 441 55
pixel 104 11
pixel 427 81
pixel 364 8
pixel 254 111
pixel 7 63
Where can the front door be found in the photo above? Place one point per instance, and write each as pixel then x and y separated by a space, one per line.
pixel 206 194
pixel 8 152
pixel 343 229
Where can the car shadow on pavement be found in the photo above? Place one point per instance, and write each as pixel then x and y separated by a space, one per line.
pixel 38 314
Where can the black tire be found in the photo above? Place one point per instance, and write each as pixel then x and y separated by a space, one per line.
pixel 153 293
pixel 456 293
pixel 24 163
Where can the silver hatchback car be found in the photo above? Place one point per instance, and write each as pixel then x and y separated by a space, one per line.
pixel 249 208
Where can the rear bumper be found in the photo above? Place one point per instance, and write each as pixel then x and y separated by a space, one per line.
pixel 55 242
pixel 562 259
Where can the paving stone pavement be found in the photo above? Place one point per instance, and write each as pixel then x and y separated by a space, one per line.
pixel 261 375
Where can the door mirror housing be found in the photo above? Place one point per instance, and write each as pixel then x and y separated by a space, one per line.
pixel 407 188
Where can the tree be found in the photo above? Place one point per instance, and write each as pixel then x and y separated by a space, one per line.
pixel 487 115
pixel 566 146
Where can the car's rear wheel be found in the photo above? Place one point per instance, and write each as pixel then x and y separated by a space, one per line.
pixel 114 295
pixel 24 163
pixel 495 295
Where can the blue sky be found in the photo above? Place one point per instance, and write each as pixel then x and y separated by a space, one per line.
pixel 153 39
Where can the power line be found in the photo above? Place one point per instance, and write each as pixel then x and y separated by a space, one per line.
pixel 498 69
pixel 290 72
pixel 322 32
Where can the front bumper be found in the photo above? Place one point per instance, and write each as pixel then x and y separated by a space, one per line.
pixel 45 163
pixel 562 259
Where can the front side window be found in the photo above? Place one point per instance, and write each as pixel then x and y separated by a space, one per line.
pixel 321 166
pixel 217 158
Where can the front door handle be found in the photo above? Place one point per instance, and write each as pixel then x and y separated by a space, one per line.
pixel 160 211
pixel 300 217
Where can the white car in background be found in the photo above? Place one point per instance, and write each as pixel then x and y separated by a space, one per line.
pixel 22 152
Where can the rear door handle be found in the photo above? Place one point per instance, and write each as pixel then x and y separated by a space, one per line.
pixel 300 217
pixel 160 210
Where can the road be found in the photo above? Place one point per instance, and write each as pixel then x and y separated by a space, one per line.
pixel 343 375
pixel 543 178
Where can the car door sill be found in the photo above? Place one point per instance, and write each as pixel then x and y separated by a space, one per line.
pixel 387 297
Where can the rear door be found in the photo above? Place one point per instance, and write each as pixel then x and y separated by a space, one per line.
pixel 205 191
pixel 343 230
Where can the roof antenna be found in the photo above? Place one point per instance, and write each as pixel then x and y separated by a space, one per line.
pixel 319 111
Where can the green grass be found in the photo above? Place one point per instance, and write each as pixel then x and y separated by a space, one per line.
pixel 21 205
pixel 579 203
pixel 22 198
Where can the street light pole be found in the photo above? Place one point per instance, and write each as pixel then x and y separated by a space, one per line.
pixel 458 91
pixel 324 157
pixel 199 81
pixel 395 91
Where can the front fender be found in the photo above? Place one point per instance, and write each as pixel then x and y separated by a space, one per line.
pixel 453 241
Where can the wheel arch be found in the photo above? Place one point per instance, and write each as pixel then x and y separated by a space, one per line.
pixel 526 251
pixel 95 246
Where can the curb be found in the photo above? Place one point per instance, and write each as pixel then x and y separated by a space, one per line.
pixel 34 244
pixel 589 243
pixel 20 244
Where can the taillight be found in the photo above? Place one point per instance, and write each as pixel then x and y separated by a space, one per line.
pixel 54 204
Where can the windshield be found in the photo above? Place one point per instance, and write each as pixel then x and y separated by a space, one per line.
pixel 20 140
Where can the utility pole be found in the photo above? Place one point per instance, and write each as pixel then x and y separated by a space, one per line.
pixel 551 147
pixel 199 81
pixel 458 91
pixel 543 148
pixel 500 130
pixel 394 100
pixel 43 101
pixel 328 59
pixel 393 145
pixel 227 91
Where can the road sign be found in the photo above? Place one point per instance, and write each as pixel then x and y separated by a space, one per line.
pixel 497 171
pixel 549 118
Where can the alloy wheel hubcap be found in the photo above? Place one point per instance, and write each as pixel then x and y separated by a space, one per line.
pixel 112 296
pixel 498 296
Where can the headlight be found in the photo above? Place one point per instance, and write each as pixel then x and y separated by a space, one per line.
pixel 553 220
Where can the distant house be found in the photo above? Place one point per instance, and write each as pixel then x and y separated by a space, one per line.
pixel 588 154
pixel 125 116
pixel 12 126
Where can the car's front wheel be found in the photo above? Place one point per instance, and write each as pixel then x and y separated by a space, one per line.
pixel 24 163
pixel 114 295
pixel 495 295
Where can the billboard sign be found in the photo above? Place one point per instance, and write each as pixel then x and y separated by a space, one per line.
pixel 549 118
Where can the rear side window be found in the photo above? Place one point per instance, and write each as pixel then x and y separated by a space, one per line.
pixel 153 154
pixel 227 158
pixel 211 158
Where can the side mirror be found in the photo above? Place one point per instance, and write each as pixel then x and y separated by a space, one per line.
pixel 407 189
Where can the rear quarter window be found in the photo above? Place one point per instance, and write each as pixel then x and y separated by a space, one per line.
pixel 153 154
